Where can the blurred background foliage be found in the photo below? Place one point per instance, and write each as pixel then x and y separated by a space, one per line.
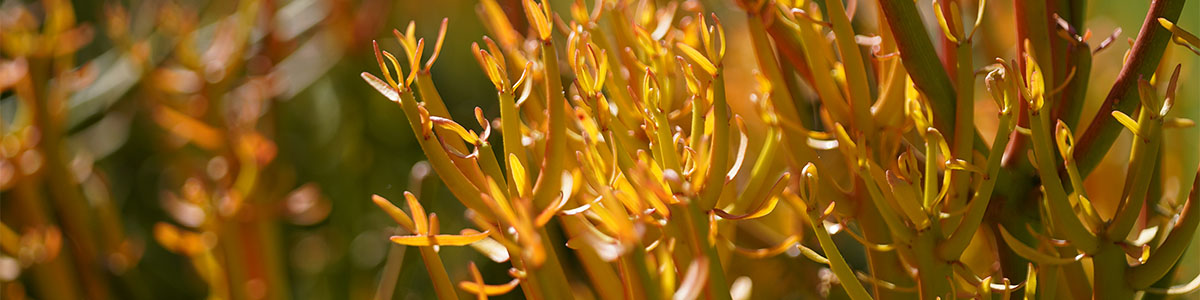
pixel 173 149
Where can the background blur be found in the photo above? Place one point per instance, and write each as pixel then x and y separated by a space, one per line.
pixel 196 146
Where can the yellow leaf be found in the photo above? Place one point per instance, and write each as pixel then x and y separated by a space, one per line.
pixel 440 239
pixel 538 19
pixel 517 171
pixel 944 24
pixel 394 212
pixel 1127 121
pixel 765 208
pixel 699 59
pixel 1179 32
pixel 488 289
pixel 767 252
pixel 420 221
pixel 454 127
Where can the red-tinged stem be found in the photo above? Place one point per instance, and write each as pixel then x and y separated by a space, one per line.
pixel 1143 59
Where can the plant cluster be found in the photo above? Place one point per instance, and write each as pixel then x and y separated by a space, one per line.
pixel 616 129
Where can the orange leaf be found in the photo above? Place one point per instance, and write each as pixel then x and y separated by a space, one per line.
pixel 439 240
pixel 420 219
pixel 394 212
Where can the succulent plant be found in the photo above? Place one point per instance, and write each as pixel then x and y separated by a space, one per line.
pixel 616 127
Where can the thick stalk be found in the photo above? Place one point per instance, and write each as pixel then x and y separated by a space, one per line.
pixel 1169 252
pixel 884 265
pixel 433 103
pixel 549 181
pixel 550 276
pixel 1060 211
pixel 953 247
pixel 719 153
pixel 1142 60
pixel 696 232
pixel 1143 155
pixel 1109 268
pixel 933 273
pixel 964 127
pixel 458 183
pixel 921 61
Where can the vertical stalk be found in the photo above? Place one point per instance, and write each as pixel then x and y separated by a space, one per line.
pixel 696 236
pixel 1141 62
pixel 1062 216
pixel 550 275
pixel 921 61
pixel 1109 268
pixel 437 273
pixel 719 153
pixel 933 274
pixel 550 180
pixel 1143 155
pixel 856 73
pixel 964 116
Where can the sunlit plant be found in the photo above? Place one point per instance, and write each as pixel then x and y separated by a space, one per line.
pixel 616 126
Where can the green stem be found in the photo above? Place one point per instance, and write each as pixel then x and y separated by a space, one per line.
pixel 1143 155
pixel 885 265
pixel 458 183
pixel 921 61
pixel 952 248
pixel 1109 268
pixel 432 101
pixel 1060 211
pixel 931 172
pixel 836 262
pixel 964 126
pixel 934 274
pixel 391 271
pixel 1170 251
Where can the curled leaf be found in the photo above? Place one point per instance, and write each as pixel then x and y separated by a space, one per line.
pixel 769 251
pixel 1033 254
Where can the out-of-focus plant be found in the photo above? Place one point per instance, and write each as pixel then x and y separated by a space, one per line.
pixel 615 126
pixel 207 82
